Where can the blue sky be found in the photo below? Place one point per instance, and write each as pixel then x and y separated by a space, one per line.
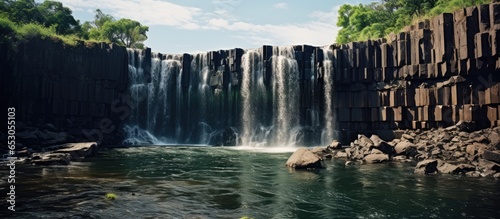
pixel 191 26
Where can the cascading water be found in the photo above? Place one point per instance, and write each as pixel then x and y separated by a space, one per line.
pixel 328 132
pixel 212 98
pixel 285 94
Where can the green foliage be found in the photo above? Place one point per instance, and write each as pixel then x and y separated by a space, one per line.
pixel 55 14
pixel 376 20
pixel 27 19
pixel 32 30
pixel 124 32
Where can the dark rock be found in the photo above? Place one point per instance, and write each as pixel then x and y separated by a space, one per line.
pixel 303 158
pixel 491 156
pixel 50 127
pixel 426 167
pixel 376 158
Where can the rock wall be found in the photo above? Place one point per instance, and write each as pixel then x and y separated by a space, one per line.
pixel 77 89
pixel 433 74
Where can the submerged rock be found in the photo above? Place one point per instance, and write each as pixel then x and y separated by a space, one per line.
pixel 303 158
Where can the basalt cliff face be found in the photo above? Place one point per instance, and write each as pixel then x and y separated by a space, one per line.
pixel 58 89
pixel 433 74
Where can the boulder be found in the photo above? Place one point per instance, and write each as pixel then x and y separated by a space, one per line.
pixel 403 146
pixel 494 139
pixel 303 158
pixel 467 167
pixel 382 145
pixel 447 168
pixel 488 165
pixel 78 151
pixel 51 159
pixel 492 156
pixel 476 148
pixel 376 158
pixel 376 140
pixel 407 137
pixel 364 141
pixel 426 167
pixel 335 145
pixel 340 155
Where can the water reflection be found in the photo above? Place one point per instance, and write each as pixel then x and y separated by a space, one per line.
pixel 186 182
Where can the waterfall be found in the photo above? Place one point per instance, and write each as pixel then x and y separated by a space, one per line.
pixel 285 93
pixel 328 131
pixel 270 96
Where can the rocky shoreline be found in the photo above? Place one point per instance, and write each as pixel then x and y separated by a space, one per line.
pixel 451 150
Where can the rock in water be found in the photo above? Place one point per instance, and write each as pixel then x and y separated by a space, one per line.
pixel 426 167
pixel 303 158
pixel 78 151
pixel 376 158
pixel 335 145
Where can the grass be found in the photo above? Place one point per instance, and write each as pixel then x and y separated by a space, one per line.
pixel 10 31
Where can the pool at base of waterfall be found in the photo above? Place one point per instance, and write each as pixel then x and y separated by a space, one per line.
pixel 226 182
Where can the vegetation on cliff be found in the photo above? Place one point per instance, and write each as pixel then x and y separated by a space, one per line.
pixel 378 19
pixel 24 19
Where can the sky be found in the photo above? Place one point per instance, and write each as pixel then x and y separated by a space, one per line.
pixel 193 26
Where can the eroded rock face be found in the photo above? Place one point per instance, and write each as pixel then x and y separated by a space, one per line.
pixel 303 158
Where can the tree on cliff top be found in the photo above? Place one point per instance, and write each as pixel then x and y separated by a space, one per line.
pixel 125 32
pixel 376 20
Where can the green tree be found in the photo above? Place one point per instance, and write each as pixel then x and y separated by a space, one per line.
pixel 55 14
pixel 125 32
pixel 21 11
pixel 376 20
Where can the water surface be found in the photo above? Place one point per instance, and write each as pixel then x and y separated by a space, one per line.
pixel 208 182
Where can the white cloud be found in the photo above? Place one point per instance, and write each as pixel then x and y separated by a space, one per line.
pixel 148 12
pixel 281 5
pixel 321 30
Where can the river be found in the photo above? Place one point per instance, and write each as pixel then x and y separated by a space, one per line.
pixel 233 182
